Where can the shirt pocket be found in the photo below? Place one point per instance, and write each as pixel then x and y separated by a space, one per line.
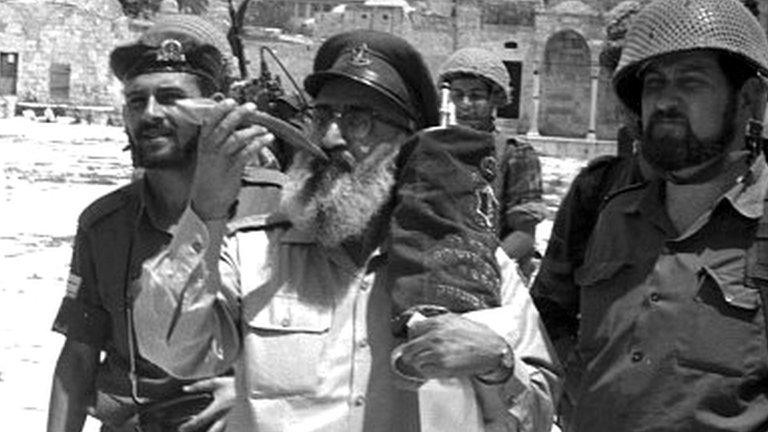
pixel 287 340
pixel 725 326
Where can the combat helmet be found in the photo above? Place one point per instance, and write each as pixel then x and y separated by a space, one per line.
pixel 670 26
pixel 480 63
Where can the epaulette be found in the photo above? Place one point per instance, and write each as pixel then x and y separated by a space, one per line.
pixel 263 221
pixel 260 193
pixel 621 191
pixel 108 204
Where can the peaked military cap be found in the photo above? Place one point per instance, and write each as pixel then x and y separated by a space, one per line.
pixel 384 62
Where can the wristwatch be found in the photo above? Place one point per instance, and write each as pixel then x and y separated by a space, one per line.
pixel 503 371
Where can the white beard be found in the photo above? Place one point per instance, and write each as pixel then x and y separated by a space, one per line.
pixel 335 204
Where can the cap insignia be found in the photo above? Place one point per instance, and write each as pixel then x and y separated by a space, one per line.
pixel 360 56
pixel 171 51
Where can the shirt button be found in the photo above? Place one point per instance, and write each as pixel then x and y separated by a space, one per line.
pixel 364 286
pixel 359 401
pixel 637 356
pixel 197 246
pixel 285 322
pixel 362 343
pixel 655 297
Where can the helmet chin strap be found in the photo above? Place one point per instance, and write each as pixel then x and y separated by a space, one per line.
pixel 754 141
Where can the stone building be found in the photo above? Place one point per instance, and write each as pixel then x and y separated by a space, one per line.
pixel 304 9
pixel 56 52
pixel 550 47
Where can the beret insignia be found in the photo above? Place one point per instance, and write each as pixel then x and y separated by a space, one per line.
pixel 360 56
pixel 171 52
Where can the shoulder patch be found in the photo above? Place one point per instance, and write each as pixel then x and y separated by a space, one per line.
pixel 108 204
pixel 73 285
pixel 263 221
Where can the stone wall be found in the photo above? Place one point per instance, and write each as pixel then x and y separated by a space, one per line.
pixel 62 33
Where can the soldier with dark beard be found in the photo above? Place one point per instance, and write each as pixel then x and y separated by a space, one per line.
pixel 672 289
pixel 295 300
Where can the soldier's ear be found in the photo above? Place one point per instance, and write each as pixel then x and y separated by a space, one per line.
pixel 752 97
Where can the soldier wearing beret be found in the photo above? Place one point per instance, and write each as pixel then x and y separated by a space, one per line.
pixel 99 370
pixel 295 300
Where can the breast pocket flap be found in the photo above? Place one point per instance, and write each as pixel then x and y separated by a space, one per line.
pixel 735 293
pixel 289 314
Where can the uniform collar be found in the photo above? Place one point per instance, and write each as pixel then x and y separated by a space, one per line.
pixel 650 202
pixel 337 254
pixel 150 212
pixel 748 195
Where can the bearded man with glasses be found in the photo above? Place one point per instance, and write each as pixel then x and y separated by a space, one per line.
pixel 294 300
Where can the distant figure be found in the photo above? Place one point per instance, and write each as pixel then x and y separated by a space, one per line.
pixel 48 115
pixel 479 84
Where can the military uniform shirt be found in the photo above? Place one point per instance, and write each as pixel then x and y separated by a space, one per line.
pixel 670 338
pixel 308 332
pixel 554 290
pixel 93 310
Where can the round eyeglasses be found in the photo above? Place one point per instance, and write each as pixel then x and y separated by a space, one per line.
pixel 354 121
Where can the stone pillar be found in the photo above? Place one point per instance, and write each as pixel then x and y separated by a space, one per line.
pixel 533 129
pixel 595 82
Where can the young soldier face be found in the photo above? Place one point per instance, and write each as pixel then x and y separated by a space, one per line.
pixel 472 98
pixel 158 138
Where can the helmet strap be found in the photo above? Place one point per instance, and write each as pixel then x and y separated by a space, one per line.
pixel 754 141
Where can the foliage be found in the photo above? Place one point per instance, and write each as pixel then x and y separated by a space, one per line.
pixel 196 7
pixel 269 13
pixel 519 13
pixel 148 8
pixel 140 8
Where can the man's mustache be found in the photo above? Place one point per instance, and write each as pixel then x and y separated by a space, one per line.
pixel 666 115
pixel 340 158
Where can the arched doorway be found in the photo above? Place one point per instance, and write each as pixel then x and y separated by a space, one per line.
pixel 565 86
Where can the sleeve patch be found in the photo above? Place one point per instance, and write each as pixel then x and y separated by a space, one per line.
pixel 73 285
